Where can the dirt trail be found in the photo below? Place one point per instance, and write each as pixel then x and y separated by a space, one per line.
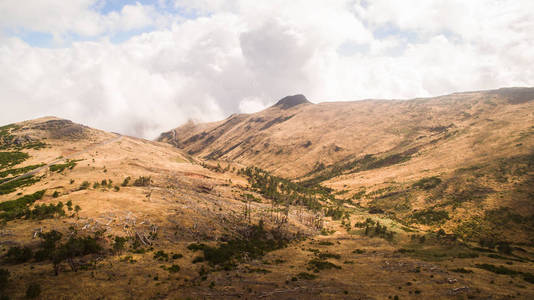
pixel 89 148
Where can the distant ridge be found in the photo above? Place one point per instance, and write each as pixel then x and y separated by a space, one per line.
pixel 290 101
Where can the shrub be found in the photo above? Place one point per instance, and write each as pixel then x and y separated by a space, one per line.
pixel 44 211
pixel 55 194
pixel 85 185
pixel 254 246
pixel 161 255
pixel 326 255
pixel 118 245
pixel 17 208
pixel 126 181
pixel 306 276
pixel 427 183
pixel 8 159
pixel 17 171
pixel 430 216
pixel 462 270
pixel 9 187
pixel 318 264
pixel 33 291
pixel 19 255
pixel 173 269
pixel 142 181
pixel 58 168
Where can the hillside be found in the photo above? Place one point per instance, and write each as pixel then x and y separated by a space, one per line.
pixel 370 199
pixel 296 139
pixel 464 154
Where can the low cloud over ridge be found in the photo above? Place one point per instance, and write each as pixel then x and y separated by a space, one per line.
pixel 206 59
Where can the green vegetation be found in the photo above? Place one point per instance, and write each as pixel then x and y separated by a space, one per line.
pixel 118 244
pixel 44 211
pixel 85 185
pixel 17 208
pixel 501 270
pixel 6 139
pixel 58 168
pixel 9 159
pixel 142 181
pixel 306 276
pixel 375 229
pixel 430 216
pixel 17 255
pixel 251 198
pixel 283 191
pixel 11 186
pixel 461 270
pixel 255 245
pixel 74 247
pixel 126 181
pixel 397 201
pixel 174 269
pixel 427 183
pixel 18 171
pixel 161 256
pixel 318 264
pixel 32 145
pixel 368 162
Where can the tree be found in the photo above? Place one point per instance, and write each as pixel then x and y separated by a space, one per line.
pixel 77 209
pixel 118 246
pixel 69 205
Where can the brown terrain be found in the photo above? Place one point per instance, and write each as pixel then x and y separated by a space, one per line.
pixel 374 199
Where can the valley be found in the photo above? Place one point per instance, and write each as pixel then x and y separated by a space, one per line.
pixel 372 199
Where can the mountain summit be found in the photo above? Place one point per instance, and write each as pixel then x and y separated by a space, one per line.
pixel 290 101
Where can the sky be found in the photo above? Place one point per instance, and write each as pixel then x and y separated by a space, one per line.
pixel 143 67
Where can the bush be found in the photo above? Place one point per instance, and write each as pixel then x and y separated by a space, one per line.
pixel 9 187
pixel 173 269
pixel 33 291
pixel 142 181
pixel 427 183
pixel 55 194
pixel 462 270
pixel 85 185
pixel 44 211
pixel 118 245
pixel 254 246
pixel 19 255
pixel 318 264
pixel 430 217
pixel 17 208
pixel 58 168
pixel 161 256
pixel 126 181
pixel 8 159
pixel 306 276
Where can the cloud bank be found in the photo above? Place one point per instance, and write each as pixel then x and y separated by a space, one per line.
pixel 143 68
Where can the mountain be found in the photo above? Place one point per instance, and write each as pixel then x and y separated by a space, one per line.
pixel 425 198
pixel 293 140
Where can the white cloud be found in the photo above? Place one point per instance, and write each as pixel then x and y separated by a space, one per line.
pixel 61 18
pixel 243 56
